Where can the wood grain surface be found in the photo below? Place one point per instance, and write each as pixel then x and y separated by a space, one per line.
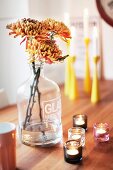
pixel 95 156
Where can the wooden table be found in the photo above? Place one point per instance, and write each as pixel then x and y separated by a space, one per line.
pixel 95 156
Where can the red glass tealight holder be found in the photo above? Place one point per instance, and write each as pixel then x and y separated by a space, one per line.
pixel 101 132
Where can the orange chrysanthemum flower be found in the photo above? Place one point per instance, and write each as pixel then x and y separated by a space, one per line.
pixel 39 37
pixel 59 28
pixel 45 51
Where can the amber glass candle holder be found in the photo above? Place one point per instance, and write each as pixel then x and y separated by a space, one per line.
pixel 80 120
pixel 72 152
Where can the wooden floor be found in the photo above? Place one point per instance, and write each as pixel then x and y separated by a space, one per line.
pixel 95 156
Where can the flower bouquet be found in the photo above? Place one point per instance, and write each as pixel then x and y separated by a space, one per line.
pixel 39 108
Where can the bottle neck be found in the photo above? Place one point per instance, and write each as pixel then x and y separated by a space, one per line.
pixel 37 69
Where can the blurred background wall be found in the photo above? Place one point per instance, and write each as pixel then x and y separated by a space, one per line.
pixel 14 68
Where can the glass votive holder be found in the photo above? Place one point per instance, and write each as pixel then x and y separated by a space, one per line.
pixel 80 120
pixel 101 132
pixel 72 152
pixel 77 134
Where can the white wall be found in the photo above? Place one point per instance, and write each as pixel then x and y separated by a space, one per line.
pixel 13 60
pixel 47 8
pixel 107 33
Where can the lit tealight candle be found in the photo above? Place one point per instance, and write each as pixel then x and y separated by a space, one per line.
pixel 76 137
pixel 72 152
pixel 77 134
pixel 100 131
pixel 80 120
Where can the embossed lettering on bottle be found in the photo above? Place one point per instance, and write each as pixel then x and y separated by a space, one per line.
pixel 52 109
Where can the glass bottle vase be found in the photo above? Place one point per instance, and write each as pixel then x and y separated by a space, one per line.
pixel 39 110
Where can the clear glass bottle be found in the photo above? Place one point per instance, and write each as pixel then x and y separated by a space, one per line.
pixel 39 109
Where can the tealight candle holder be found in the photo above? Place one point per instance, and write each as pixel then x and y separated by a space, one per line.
pixel 72 152
pixel 101 132
pixel 80 120
pixel 77 134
